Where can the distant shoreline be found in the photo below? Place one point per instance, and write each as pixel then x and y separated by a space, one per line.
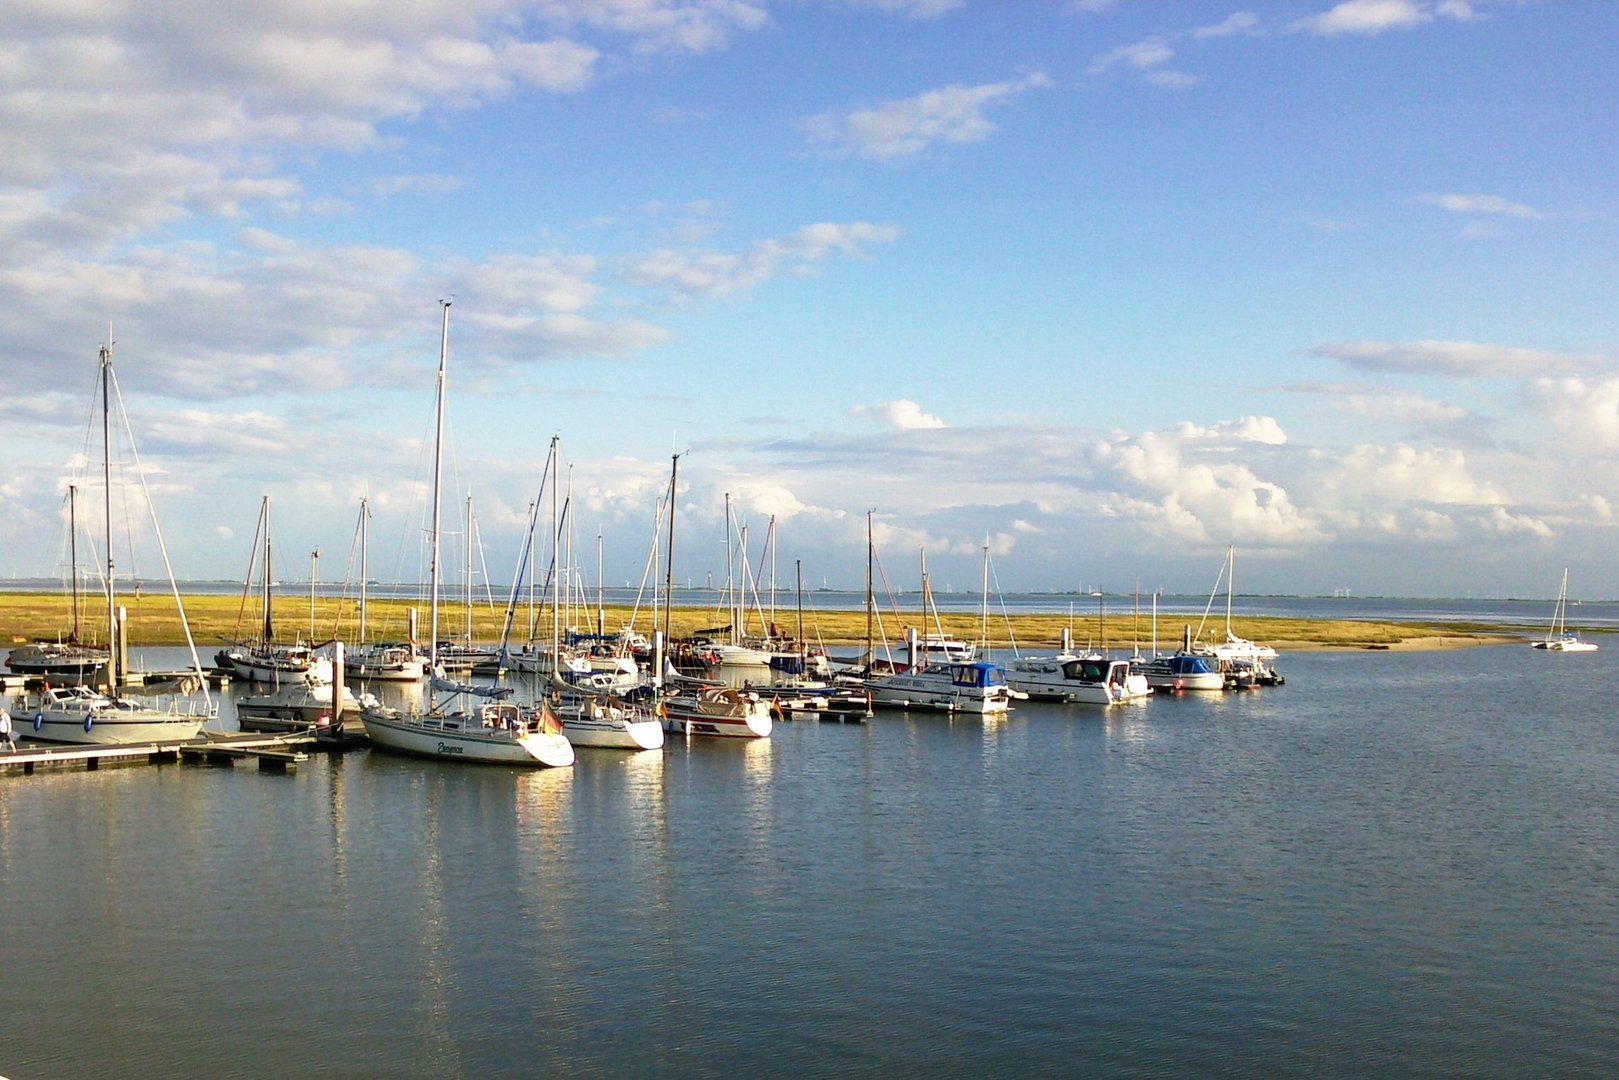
pixel 218 618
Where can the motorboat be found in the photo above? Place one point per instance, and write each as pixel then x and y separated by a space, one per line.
pixel 971 687
pixel 1075 679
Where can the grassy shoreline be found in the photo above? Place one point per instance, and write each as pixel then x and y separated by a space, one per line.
pixel 216 618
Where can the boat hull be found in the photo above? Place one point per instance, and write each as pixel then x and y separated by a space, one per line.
pixel 614 735
pixel 749 719
pixel 461 738
pixel 106 727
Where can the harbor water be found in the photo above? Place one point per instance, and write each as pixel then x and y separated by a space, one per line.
pixel 1398 864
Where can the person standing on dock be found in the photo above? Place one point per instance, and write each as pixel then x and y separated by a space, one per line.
pixel 7 735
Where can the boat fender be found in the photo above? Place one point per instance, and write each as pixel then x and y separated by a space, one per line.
pixel 89 722
pixel 39 720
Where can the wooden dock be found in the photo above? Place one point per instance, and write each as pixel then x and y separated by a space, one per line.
pixel 273 754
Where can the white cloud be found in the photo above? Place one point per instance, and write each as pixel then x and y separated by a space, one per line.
pixel 1483 204
pixel 1367 17
pixel 1239 22
pixel 919 9
pixel 1258 429
pixel 1457 358
pixel 894 129
pixel 1147 53
pixel 719 274
pixel 902 415
pixel 1584 411
pixel 1371 476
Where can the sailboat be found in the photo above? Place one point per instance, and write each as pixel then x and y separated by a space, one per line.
pixel 378 661
pixel 491 731
pixel 69 660
pixel 263 659
pixel 1245 662
pixel 1560 638
pixel 100 716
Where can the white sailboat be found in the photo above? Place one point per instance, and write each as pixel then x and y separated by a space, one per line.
pixel 99 717
pixel 262 658
pixel 489 731
pixel 378 661
pixel 1560 638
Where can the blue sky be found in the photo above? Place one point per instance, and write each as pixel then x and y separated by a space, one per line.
pixel 1105 285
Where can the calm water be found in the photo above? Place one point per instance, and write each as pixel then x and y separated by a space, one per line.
pixel 1399 864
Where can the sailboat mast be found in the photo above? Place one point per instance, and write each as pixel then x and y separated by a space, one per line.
pixel 106 494
pixel 365 571
pixel 871 600
pixel 73 551
pixel 730 572
pixel 268 630
pixel 556 565
pixel 1230 585
pixel 438 476
pixel 669 568
pixel 468 569
pixel 983 628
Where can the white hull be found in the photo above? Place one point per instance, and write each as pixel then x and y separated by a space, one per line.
pixel 463 737
pixel 1566 645
pixel 1077 680
pixel 115 724
pixel 404 671
pixel 264 669
pixel 614 734
pixel 976 688
pixel 909 696
pixel 609 725
pixel 722 714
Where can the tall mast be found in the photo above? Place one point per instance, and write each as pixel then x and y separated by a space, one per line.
pixel 268 630
pixel 870 596
pixel 365 571
pixel 669 568
pixel 73 551
pixel 106 494
pixel 468 546
pixel 601 610
pixel 556 564
pixel 1230 584
pixel 983 630
pixel 438 476
pixel 730 572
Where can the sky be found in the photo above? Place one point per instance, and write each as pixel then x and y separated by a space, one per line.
pixel 1098 286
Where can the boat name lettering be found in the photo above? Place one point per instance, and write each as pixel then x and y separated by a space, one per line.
pixel 443 749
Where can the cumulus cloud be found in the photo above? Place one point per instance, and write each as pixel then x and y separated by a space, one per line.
pixel 895 129
pixel 902 415
pixel 1368 17
pixel 1454 358
pixel 1259 429
pixel 1585 411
